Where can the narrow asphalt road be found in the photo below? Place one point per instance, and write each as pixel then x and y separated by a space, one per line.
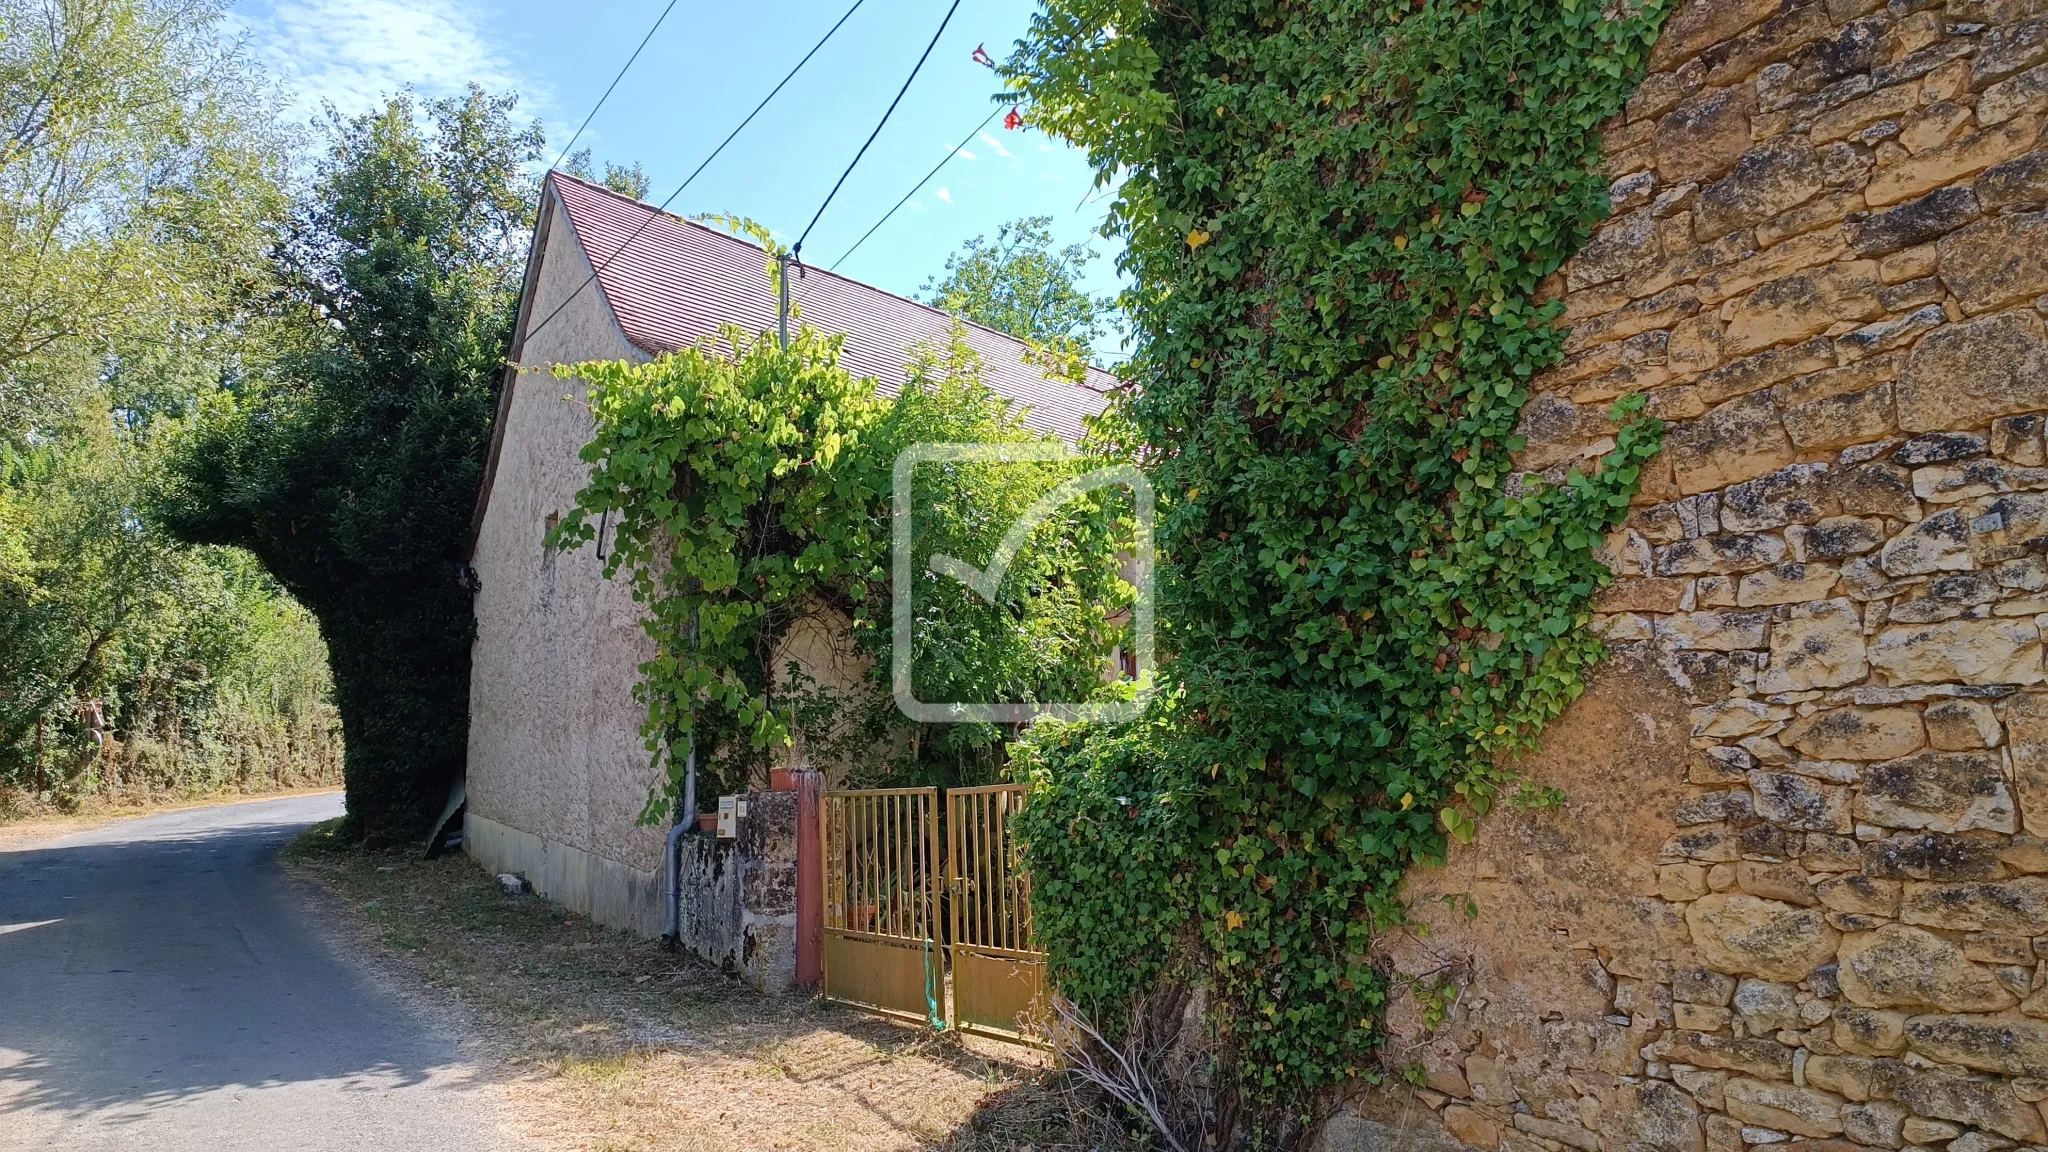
pixel 165 988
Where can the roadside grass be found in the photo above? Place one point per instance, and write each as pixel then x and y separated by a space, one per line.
pixel 607 1042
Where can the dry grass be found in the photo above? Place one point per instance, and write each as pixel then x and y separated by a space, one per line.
pixel 607 1042
pixel 21 825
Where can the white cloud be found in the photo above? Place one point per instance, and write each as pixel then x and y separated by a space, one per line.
pixel 945 194
pixel 995 144
pixel 963 153
pixel 351 53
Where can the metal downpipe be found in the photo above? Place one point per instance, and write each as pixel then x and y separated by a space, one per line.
pixel 672 855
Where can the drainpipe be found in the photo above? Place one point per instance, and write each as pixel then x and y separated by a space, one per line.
pixel 674 857
pixel 687 821
pixel 672 864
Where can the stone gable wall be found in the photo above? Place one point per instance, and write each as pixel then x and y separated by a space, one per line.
pixel 1798 894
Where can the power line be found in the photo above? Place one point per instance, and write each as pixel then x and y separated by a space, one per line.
pixel 848 254
pixel 663 207
pixel 614 84
pixel 796 252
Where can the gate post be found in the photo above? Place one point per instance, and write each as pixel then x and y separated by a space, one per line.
pixel 810 881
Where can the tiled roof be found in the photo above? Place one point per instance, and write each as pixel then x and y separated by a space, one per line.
pixel 678 282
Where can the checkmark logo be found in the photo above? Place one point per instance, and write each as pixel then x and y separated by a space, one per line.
pixel 987 581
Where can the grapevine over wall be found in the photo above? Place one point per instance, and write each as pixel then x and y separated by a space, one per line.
pixel 1339 218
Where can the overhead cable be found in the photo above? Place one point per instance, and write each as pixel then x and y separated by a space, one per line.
pixel 663 206
pixel 954 151
pixel 796 251
pixel 614 84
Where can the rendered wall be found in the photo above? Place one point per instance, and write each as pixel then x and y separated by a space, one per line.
pixel 558 773
pixel 554 747
pixel 1798 894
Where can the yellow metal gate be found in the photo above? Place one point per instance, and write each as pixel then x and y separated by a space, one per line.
pixel 997 969
pixel 882 943
pixel 881 855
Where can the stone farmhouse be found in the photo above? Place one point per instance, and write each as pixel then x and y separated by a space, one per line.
pixel 1797 896
pixel 558 772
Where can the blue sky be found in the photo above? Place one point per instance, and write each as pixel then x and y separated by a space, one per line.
pixel 706 67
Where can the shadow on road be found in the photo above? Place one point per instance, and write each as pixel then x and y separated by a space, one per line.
pixel 153 965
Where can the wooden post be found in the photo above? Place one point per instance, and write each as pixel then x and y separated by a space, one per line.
pixel 810 881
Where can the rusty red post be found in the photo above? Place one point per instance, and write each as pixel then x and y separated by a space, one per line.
pixel 810 881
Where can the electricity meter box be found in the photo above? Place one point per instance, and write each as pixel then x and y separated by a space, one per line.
pixel 731 810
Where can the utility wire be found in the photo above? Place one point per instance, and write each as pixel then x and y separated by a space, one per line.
pixel 796 252
pixel 663 207
pixel 614 84
pixel 848 254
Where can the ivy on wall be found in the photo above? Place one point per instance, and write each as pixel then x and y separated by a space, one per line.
pixel 1338 215
pixel 1111 900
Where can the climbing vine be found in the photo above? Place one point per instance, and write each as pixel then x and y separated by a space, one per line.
pixel 741 496
pixel 1339 216
pixel 751 488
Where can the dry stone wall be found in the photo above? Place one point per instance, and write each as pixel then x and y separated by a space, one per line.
pixel 1798 895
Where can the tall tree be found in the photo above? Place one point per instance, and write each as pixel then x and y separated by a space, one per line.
pixel 128 660
pixel 137 177
pixel 351 468
pixel 140 189
pixel 625 179
pixel 1020 283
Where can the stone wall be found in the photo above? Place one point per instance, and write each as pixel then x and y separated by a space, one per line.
pixel 738 907
pixel 1798 894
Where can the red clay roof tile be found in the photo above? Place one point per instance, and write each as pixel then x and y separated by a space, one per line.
pixel 678 282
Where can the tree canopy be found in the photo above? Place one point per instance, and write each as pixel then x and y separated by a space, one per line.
pixel 350 464
pixel 1020 283
pixel 138 172
pixel 625 179
pixel 140 186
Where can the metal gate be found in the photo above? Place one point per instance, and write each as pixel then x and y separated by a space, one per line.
pixel 997 970
pixel 882 949
pixel 883 902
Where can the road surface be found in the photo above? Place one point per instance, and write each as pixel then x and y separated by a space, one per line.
pixel 165 988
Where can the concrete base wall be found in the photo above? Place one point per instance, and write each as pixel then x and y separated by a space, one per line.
pixel 605 890
pixel 738 896
pixel 1414 1132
